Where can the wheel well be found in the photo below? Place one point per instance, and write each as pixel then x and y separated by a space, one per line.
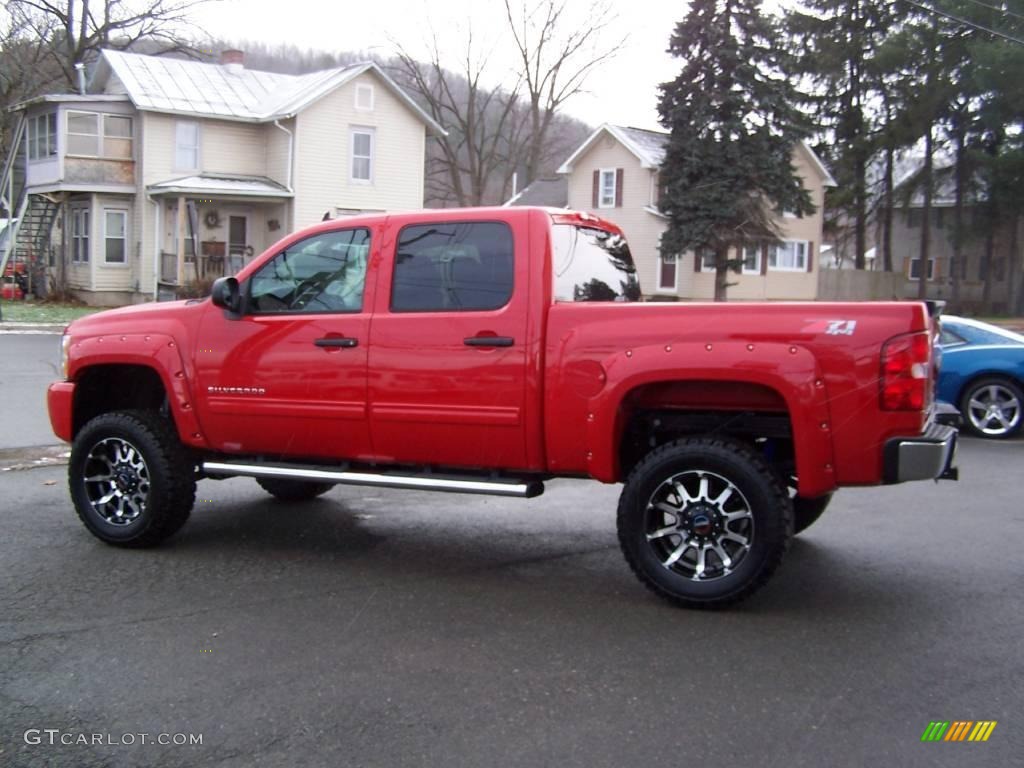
pixel 105 388
pixel 656 414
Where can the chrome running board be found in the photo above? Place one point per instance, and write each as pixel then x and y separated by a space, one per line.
pixel 518 487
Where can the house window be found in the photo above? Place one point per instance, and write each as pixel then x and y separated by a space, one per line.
pixel 42 136
pixel 364 97
pixel 915 269
pixel 186 145
pixel 115 237
pixel 607 196
pixel 362 154
pixel 790 255
pixel 751 259
pixel 667 272
pixel 708 260
pixel 91 134
pixel 80 235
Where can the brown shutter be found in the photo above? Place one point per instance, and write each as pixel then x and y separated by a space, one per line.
pixel 764 259
pixel 810 256
pixel 696 260
pixel 597 184
pixel 618 187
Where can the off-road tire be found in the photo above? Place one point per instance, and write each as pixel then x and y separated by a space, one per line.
pixel 170 477
pixel 293 490
pixel 807 511
pixel 762 493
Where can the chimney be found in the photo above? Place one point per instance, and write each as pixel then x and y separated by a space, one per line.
pixel 233 59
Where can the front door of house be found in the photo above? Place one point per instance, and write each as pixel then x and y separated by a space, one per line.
pixel 238 242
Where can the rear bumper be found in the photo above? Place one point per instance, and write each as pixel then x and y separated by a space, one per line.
pixel 59 398
pixel 929 456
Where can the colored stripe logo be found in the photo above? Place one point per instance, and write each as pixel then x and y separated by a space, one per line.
pixel 958 730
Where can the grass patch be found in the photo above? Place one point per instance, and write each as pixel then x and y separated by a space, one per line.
pixel 44 312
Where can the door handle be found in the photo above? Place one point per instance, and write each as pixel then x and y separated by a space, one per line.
pixel 488 341
pixel 336 341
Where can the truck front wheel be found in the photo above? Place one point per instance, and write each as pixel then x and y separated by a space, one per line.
pixel 704 522
pixel 130 479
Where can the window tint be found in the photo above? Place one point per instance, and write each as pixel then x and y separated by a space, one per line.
pixel 324 273
pixel 592 265
pixel 452 267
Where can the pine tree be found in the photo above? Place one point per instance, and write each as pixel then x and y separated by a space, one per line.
pixel 733 126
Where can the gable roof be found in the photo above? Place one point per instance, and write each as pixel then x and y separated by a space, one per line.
pixel 649 149
pixel 229 92
pixel 548 193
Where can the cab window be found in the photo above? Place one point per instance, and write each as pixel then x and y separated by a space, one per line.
pixel 453 267
pixel 323 273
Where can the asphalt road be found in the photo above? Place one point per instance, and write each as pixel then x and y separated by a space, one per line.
pixel 377 628
pixel 28 363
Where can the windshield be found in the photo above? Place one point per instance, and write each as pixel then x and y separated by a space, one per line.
pixel 592 265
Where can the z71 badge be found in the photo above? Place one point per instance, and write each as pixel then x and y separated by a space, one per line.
pixel 841 327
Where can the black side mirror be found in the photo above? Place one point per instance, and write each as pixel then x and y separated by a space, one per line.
pixel 225 294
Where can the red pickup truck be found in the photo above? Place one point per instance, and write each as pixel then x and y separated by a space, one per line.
pixel 486 351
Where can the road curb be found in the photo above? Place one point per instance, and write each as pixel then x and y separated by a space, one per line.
pixel 15 327
pixel 12 459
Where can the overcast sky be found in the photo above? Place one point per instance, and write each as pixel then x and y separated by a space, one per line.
pixel 623 91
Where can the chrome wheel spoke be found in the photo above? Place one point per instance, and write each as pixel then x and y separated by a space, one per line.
pixel 743 541
pixel 722 555
pixel 677 553
pixel 732 517
pixel 698 569
pixel 724 496
pixel 667 531
pixel 667 508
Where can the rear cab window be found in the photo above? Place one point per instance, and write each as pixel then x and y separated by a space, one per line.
pixel 592 264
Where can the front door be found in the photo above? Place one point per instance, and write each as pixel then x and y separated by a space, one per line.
pixel 289 376
pixel 448 347
pixel 238 242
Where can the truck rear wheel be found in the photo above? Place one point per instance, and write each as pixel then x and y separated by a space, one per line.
pixel 704 522
pixel 293 490
pixel 130 478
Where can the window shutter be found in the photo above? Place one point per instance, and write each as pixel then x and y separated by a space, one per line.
pixel 696 260
pixel 597 185
pixel 618 187
pixel 810 256
pixel 764 259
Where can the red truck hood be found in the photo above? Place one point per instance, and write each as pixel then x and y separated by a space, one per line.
pixel 140 317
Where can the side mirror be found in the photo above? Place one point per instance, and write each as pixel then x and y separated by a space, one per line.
pixel 225 294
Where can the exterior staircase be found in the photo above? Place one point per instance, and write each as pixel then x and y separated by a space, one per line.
pixel 24 244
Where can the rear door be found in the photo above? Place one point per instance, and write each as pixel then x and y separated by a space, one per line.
pixel 448 346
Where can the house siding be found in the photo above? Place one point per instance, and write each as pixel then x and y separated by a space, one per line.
pixel 323 155
pixel 643 229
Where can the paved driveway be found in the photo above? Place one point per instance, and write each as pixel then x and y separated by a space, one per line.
pixel 378 628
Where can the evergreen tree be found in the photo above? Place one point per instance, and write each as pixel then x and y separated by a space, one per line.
pixel 733 125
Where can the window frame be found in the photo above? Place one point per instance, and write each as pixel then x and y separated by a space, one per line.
pixel 774 248
pixel 704 253
pixel 361 131
pixel 246 291
pixel 49 121
pixel 100 135
pixel 80 235
pixel 613 172
pixel 916 260
pixel 123 212
pixel 449 310
pixel 364 88
pixel 758 257
pixel 178 125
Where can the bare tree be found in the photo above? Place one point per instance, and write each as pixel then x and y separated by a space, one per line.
pixel 74 31
pixel 24 68
pixel 557 55
pixel 486 126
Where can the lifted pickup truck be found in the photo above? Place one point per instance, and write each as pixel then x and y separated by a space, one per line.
pixel 486 351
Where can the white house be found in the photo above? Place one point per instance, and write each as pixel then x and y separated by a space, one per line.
pixel 167 171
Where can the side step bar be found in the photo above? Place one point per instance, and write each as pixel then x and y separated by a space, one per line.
pixel 522 488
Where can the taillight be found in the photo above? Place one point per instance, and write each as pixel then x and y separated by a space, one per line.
pixel 906 370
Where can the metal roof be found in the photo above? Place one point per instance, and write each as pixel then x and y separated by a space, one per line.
pixel 221 184
pixel 228 91
pixel 552 193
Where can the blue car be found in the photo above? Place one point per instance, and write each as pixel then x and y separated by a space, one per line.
pixel 982 373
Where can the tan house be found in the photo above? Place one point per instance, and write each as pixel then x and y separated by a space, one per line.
pixel 614 174
pixel 168 171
